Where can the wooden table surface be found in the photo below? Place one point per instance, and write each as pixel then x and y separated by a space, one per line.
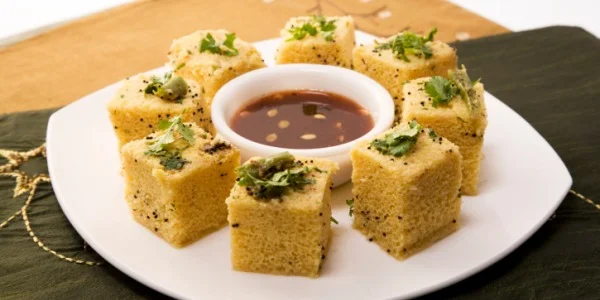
pixel 69 62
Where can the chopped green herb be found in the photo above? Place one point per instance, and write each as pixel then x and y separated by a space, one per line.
pixel 399 141
pixel 269 178
pixel 432 134
pixel 179 66
pixel 442 90
pixel 174 162
pixel 229 39
pixel 312 27
pixel 465 86
pixel 333 220
pixel 168 146
pixel 299 32
pixel 170 88
pixel 408 43
pixel 209 44
pixel 326 27
pixel 350 203
pixel 227 48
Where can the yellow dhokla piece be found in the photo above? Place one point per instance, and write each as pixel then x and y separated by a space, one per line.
pixel 462 126
pixel 392 71
pixel 286 236
pixel 334 48
pixel 212 70
pixel 406 203
pixel 134 114
pixel 180 206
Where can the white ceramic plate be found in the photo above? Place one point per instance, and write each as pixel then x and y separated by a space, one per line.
pixel 523 181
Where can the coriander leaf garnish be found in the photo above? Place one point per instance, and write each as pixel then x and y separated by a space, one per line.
pixel 209 44
pixel 157 148
pixel 465 86
pixel 174 162
pixel 333 220
pixel 227 48
pixel 432 134
pixel 269 178
pixel 229 38
pixel 408 43
pixel 430 35
pixel 168 146
pixel 442 90
pixel 350 203
pixel 326 27
pixel 312 27
pixel 170 88
pixel 300 32
pixel 399 141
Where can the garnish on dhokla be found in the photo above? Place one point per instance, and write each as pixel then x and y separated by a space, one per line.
pixel 270 177
pixel 442 90
pixel 226 48
pixel 171 88
pixel 399 141
pixel 409 44
pixel 312 27
pixel 168 146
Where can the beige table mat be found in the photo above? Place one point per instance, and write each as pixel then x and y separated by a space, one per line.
pixel 64 64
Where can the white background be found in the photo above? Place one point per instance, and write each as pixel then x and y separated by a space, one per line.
pixel 20 19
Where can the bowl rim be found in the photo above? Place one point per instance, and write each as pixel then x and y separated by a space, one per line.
pixel 379 93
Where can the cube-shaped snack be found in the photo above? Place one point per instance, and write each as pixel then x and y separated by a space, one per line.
pixel 279 214
pixel 455 109
pixel 402 57
pixel 212 58
pixel 143 100
pixel 406 189
pixel 177 180
pixel 317 40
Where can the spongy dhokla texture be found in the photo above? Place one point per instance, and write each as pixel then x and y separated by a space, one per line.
pixel 392 72
pixel 316 49
pixel 456 122
pixel 209 69
pixel 134 114
pixel 404 204
pixel 180 206
pixel 287 236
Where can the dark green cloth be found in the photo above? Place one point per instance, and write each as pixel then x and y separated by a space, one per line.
pixel 550 76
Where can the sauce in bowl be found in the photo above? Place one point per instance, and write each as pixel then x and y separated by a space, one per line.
pixel 302 119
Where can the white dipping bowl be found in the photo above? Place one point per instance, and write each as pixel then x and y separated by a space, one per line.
pixel 355 86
